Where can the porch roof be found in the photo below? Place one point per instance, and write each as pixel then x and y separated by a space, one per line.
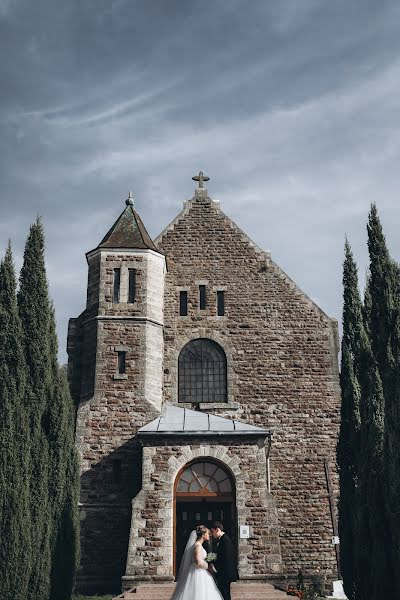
pixel 175 420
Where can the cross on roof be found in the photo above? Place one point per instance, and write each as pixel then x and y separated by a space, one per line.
pixel 201 178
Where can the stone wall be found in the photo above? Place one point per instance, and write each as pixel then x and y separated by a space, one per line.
pixel 282 364
pixel 150 554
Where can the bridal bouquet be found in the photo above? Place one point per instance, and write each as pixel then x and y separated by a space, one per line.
pixel 211 557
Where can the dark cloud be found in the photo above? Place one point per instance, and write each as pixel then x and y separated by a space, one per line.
pixel 291 108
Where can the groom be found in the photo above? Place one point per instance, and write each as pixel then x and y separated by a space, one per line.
pixel 225 564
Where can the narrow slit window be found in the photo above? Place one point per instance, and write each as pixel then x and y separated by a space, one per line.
pixel 122 363
pixel 132 286
pixel 183 303
pixel 202 297
pixel 116 471
pixel 220 303
pixel 117 285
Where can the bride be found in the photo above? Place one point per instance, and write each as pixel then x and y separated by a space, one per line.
pixel 194 580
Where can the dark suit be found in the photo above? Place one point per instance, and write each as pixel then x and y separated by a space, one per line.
pixel 225 565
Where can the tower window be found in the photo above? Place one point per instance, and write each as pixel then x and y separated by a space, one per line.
pixel 117 285
pixel 121 363
pixel 132 286
pixel 220 303
pixel 183 303
pixel 116 471
pixel 202 297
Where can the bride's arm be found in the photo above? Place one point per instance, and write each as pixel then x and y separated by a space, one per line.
pixel 199 562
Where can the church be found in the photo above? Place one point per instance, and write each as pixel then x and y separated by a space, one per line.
pixel 207 388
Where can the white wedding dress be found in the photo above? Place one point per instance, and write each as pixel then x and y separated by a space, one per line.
pixel 194 583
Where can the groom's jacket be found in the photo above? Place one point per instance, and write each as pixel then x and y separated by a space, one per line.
pixel 225 562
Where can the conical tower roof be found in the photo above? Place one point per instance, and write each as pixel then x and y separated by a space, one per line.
pixel 128 231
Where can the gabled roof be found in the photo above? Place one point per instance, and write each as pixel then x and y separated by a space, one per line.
pixel 128 231
pixel 175 420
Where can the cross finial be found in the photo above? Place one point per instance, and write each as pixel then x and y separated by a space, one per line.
pixel 129 200
pixel 201 178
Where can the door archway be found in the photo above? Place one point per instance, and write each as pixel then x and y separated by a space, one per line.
pixel 204 492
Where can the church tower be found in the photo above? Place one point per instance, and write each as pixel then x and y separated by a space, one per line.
pixel 115 350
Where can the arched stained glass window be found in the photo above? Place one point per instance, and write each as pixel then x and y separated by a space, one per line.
pixel 204 478
pixel 202 372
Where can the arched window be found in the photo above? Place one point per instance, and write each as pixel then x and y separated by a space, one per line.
pixel 205 479
pixel 202 372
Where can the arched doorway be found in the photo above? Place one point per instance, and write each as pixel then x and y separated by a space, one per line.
pixel 204 492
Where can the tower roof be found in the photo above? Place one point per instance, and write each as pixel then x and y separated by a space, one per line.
pixel 128 231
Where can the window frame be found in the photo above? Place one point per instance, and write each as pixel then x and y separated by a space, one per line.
pixel 202 297
pixel 202 373
pixel 185 303
pixel 221 294
pixel 121 362
pixel 132 285
pixel 116 295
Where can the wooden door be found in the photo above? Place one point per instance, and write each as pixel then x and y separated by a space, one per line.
pixel 191 514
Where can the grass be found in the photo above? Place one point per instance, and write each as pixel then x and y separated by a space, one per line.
pixel 80 597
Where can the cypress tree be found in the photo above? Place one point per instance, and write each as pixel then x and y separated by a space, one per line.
pixel 35 314
pixel 14 504
pixel 348 443
pixel 392 434
pixel 365 550
pixel 66 533
pixel 381 291
pixel 384 327
pixel 64 480
pixel 54 468
pixel 373 543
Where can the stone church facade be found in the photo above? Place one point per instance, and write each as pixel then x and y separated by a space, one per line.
pixel 207 388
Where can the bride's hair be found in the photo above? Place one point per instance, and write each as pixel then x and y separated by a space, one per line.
pixel 201 530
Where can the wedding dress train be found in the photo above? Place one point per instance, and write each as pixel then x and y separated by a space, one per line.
pixel 194 583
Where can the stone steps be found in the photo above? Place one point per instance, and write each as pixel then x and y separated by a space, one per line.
pixel 239 591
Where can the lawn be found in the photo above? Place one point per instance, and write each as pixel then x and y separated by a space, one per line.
pixel 79 597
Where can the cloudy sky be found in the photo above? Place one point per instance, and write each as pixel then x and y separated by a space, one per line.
pixel 292 107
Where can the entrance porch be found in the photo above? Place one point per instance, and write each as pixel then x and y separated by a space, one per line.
pixel 197 467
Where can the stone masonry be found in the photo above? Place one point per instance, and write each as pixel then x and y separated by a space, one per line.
pixel 282 364
pixel 282 374
pixel 150 554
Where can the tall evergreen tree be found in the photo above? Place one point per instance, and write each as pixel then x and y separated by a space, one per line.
pixel 365 552
pixel 63 480
pixel 381 291
pixel 348 443
pixel 53 476
pixel 374 546
pixel 384 325
pixel 392 435
pixel 66 533
pixel 35 313
pixel 14 439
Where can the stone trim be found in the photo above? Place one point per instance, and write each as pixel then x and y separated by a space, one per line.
pixel 127 251
pixel 122 318
pixel 212 405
